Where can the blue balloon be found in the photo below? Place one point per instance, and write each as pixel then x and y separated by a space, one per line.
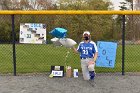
pixel 59 32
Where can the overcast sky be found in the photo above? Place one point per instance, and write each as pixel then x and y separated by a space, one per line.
pixel 116 3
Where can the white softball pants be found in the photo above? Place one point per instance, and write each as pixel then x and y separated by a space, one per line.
pixel 86 68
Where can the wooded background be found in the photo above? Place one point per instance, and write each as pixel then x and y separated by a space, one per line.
pixel 102 27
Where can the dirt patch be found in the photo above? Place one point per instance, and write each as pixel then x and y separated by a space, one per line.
pixel 43 84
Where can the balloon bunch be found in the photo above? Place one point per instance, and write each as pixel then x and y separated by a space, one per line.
pixel 60 38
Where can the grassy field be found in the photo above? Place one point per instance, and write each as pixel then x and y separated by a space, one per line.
pixel 39 58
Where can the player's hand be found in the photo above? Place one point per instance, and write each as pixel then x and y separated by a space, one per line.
pixel 91 62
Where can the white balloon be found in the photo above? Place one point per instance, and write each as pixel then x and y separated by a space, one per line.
pixel 67 42
pixel 56 41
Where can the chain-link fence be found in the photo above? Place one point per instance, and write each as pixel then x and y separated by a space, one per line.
pixel 38 58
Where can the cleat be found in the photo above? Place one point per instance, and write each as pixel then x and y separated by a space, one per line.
pixel 92 75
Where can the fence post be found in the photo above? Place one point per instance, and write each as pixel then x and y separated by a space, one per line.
pixel 13 42
pixel 123 44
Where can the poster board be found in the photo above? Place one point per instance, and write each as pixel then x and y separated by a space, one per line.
pixel 34 33
pixel 106 54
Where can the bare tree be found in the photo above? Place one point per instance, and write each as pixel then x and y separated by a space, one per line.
pixel 26 4
pixel 5 4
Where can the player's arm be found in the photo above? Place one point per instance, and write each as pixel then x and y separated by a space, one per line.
pixel 75 50
pixel 95 56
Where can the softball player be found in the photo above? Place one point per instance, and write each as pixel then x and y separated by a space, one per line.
pixel 88 54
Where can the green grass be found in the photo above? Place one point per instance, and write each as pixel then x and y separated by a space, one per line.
pixel 39 58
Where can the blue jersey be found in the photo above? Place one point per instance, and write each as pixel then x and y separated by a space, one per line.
pixel 87 49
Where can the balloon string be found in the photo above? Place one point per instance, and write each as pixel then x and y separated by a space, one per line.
pixel 66 58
